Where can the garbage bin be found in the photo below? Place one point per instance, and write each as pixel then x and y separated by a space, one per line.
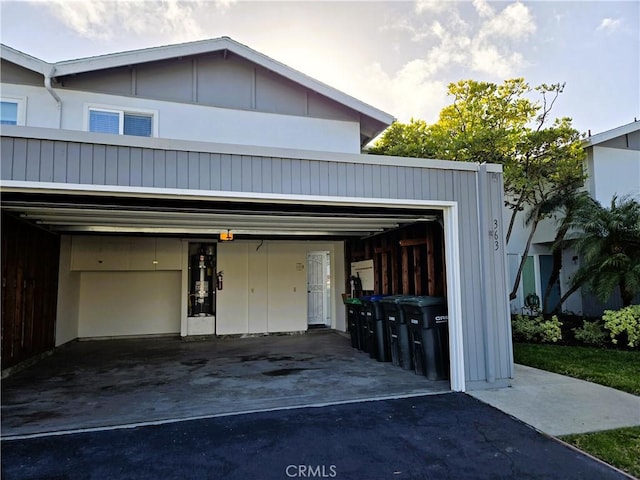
pixel 373 327
pixel 428 324
pixel 363 330
pixel 398 331
pixel 353 312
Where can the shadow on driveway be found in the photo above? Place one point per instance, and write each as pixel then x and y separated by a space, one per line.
pixel 448 436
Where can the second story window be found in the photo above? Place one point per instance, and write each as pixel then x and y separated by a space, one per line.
pixel 12 111
pixel 8 113
pixel 121 122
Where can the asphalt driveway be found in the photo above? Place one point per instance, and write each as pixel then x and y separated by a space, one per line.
pixel 447 436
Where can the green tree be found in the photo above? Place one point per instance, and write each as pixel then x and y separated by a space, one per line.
pixel 493 123
pixel 565 208
pixel 608 242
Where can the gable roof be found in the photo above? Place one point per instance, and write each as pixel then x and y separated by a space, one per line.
pixel 26 61
pixel 613 133
pixel 82 65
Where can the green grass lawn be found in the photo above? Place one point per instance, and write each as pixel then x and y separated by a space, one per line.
pixel 620 447
pixel 619 369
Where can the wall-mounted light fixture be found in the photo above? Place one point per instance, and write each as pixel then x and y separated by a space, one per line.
pixel 226 236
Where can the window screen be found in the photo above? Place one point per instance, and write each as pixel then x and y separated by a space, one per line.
pixel 139 125
pixel 104 122
pixel 8 113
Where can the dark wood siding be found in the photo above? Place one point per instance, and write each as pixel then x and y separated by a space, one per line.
pixel 29 290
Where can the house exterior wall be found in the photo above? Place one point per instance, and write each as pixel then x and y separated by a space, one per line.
pixel 186 121
pixel 612 168
pixel 213 80
pixel 606 169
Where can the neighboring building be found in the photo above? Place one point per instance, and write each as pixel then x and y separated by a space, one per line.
pixel 612 166
pixel 123 174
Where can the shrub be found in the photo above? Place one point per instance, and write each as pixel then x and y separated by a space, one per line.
pixel 591 333
pixel 550 330
pixel 624 321
pixel 536 329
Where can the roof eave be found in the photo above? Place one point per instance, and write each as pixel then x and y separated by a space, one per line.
pixel 26 61
pixel 611 134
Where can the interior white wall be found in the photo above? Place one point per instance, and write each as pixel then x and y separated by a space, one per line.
pixel 287 280
pixel 232 302
pixel 129 303
pixel 184 121
pixel 67 314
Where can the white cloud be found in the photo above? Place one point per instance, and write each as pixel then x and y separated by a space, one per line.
pixel 609 25
pixel 515 21
pixel 433 6
pixel 106 19
pixel 488 47
pixel 408 93
pixel 483 8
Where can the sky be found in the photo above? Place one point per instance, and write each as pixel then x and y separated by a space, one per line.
pixel 398 56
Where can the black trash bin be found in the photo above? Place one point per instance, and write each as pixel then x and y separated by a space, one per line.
pixel 363 329
pixel 428 324
pixel 398 331
pixel 353 306
pixel 373 327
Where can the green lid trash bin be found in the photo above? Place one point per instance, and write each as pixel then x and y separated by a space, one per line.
pixel 353 306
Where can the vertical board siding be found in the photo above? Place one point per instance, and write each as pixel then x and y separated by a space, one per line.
pixel 6 157
pixel 111 166
pixel 123 166
pixel 159 169
pixel 46 161
pixel 60 162
pixel 73 163
pixel 33 161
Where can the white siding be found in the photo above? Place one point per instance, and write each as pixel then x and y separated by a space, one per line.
pixel 615 171
pixel 195 122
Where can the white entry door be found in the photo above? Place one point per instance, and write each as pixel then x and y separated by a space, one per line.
pixel 318 288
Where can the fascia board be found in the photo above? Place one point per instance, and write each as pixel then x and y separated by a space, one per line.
pixel 26 61
pixel 134 57
pixel 611 134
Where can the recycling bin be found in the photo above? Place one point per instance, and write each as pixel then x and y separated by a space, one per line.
pixel 398 331
pixel 353 313
pixel 428 323
pixel 374 333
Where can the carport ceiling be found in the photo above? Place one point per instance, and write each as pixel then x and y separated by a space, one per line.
pixel 264 220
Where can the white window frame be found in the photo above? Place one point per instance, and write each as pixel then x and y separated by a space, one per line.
pixel 22 108
pixel 121 112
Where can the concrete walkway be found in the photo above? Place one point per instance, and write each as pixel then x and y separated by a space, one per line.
pixel 560 405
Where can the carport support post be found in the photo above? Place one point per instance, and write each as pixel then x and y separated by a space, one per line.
pixel 454 299
pixel 484 234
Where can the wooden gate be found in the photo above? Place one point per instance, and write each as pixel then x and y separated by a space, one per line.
pixel 30 258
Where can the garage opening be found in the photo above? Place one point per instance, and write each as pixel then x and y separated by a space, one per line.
pixel 285 271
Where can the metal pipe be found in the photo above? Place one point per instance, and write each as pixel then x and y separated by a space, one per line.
pixel 49 88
